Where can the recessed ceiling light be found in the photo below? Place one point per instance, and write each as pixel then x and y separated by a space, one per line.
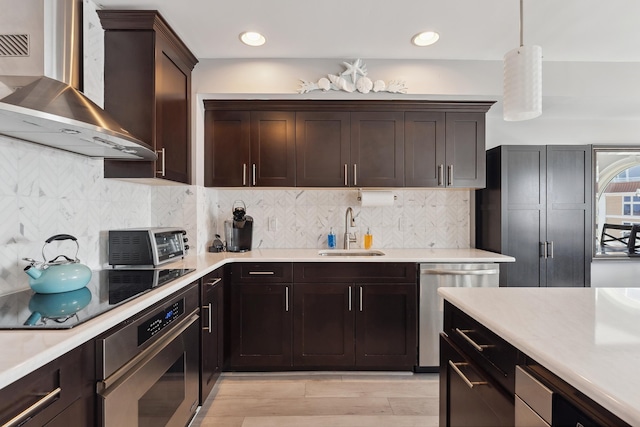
pixel 425 39
pixel 251 38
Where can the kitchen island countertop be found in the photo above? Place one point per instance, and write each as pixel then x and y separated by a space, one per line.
pixel 589 337
pixel 24 351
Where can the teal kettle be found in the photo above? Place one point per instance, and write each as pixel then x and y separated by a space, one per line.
pixel 61 274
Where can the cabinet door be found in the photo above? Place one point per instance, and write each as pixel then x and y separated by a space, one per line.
pixel 377 149
pixel 322 149
pixel 227 145
pixel 424 145
pixel 465 153
pixel 260 325
pixel 386 325
pixel 173 119
pixel 524 223
pixel 569 231
pixel 211 357
pixel 273 148
pixel 323 333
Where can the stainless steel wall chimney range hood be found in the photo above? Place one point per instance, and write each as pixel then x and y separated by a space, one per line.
pixel 39 59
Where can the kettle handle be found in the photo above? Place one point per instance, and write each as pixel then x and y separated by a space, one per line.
pixel 60 237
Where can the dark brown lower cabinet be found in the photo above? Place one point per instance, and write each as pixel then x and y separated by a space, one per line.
pixel 468 396
pixel 386 326
pixel 212 335
pixel 350 325
pixel 325 316
pixel 65 388
pixel 260 326
pixel 323 325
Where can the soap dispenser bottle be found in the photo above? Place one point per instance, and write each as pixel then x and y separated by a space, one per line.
pixel 331 239
pixel 368 239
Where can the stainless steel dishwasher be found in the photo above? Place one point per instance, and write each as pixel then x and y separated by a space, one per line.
pixel 431 310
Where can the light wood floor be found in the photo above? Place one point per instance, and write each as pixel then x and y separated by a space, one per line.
pixel 322 399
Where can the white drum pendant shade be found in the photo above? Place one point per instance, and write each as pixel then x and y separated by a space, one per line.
pixel 522 97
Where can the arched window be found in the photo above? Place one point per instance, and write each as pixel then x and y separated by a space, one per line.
pixel 617 199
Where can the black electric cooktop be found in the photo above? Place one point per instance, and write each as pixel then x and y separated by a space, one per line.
pixel 106 290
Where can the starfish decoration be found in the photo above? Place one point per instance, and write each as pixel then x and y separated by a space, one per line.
pixel 358 67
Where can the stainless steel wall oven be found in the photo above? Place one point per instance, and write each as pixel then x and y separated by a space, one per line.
pixel 148 366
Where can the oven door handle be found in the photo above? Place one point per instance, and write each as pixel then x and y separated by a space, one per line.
pixel 148 354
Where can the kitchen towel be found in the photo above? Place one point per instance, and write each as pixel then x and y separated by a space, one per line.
pixel 376 198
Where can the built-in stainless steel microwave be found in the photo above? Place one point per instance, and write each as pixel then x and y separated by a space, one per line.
pixel 146 246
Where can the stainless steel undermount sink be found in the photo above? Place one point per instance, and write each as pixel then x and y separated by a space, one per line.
pixel 350 252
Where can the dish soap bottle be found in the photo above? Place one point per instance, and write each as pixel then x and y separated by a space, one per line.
pixel 368 239
pixel 331 239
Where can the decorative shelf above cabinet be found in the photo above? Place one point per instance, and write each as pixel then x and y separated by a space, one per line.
pixel 345 143
pixel 147 88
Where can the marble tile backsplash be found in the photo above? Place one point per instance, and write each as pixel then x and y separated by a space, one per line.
pixel 44 192
pixel 301 218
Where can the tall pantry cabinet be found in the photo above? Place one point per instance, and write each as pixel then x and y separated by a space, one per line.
pixel 537 208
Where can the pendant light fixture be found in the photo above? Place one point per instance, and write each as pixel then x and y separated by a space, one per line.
pixel 522 97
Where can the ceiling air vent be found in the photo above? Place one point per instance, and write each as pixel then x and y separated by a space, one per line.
pixel 14 45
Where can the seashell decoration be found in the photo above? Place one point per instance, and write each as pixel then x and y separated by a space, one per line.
pixel 379 86
pixel 364 85
pixel 324 84
pixel 353 78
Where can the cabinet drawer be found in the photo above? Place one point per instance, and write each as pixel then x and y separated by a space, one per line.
pixel 46 391
pixel 343 272
pixel 470 396
pixel 497 357
pixel 262 272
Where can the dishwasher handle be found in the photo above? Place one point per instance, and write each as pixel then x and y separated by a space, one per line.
pixel 460 272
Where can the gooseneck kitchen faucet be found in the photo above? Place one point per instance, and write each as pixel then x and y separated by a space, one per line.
pixel 349 237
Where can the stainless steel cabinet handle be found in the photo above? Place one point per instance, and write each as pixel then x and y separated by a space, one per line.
pixel 460 272
pixel 29 412
pixel 550 244
pixel 213 282
pixel 360 298
pixel 449 175
pixel 261 273
pixel 440 175
pixel 463 334
pixel 349 298
pixel 543 250
pixel 471 384
pixel 286 298
pixel 355 174
pixel 162 168
pixel 244 174
pixel 253 174
pixel 346 175
pixel 208 327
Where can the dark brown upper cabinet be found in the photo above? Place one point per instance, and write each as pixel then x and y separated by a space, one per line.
pixel 377 149
pixel 273 148
pixel 147 89
pixel 424 147
pixel 322 148
pixel 445 149
pixel 346 143
pixel 245 148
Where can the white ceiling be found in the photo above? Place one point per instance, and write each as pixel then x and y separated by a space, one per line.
pixel 595 38
pixel 567 30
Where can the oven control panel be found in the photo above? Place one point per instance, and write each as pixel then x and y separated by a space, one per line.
pixel 159 321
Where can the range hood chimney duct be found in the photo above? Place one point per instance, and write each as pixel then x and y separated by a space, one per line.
pixel 41 61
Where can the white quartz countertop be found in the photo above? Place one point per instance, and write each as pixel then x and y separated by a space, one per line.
pixel 24 351
pixel 590 337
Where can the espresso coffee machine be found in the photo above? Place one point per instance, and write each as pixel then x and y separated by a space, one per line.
pixel 239 230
